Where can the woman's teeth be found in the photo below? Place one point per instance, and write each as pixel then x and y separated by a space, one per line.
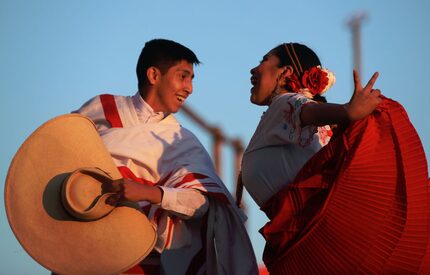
pixel 180 98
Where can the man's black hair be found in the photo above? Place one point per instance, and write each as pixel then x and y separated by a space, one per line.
pixel 163 54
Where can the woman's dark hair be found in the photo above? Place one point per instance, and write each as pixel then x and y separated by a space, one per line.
pixel 305 55
pixel 163 54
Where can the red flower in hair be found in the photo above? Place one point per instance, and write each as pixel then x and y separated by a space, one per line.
pixel 315 80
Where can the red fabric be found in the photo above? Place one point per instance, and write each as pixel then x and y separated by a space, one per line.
pixel 262 270
pixel 144 269
pixel 190 177
pixel 169 231
pixel 128 174
pixel 110 110
pixel 360 205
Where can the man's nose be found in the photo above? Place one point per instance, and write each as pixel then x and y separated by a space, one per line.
pixel 189 87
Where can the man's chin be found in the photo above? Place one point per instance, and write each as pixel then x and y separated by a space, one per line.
pixel 175 110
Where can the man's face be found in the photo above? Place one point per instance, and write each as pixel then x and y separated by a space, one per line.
pixel 174 87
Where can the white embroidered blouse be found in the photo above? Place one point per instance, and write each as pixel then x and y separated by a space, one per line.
pixel 279 147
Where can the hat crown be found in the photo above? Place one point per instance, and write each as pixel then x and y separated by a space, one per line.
pixel 82 194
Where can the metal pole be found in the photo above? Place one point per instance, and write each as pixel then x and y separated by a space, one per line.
pixel 218 139
pixel 355 23
pixel 238 153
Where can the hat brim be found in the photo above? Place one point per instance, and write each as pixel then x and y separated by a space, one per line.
pixel 55 239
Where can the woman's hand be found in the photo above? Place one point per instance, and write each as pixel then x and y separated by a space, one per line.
pixel 364 100
pixel 127 189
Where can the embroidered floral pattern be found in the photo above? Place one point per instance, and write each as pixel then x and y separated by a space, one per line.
pixel 288 115
pixel 291 121
pixel 281 124
pixel 324 134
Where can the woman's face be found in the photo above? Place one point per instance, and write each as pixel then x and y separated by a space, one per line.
pixel 264 79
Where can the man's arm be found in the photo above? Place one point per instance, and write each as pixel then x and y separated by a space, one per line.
pixel 185 203
pixel 127 189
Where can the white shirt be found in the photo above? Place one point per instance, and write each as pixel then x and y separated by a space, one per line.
pixel 279 147
pixel 185 203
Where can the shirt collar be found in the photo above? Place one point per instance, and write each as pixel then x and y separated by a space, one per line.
pixel 144 111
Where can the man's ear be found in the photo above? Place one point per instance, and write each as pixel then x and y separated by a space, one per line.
pixel 153 74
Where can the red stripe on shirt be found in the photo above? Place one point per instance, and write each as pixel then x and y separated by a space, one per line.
pixel 164 180
pixel 143 268
pixel 110 110
pixel 199 184
pixel 169 232
pixel 128 174
pixel 190 177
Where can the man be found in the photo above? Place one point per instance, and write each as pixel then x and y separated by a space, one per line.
pixel 168 172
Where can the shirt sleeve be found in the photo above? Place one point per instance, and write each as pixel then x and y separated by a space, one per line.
pixel 286 121
pixel 184 203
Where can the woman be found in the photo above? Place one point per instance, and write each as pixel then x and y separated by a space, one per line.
pixel 354 206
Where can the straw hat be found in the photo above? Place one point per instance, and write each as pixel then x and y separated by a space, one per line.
pixel 55 204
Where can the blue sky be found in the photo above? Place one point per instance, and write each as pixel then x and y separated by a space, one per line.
pixel 57 54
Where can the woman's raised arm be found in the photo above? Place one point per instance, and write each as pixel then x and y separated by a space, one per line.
pixel 362 103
